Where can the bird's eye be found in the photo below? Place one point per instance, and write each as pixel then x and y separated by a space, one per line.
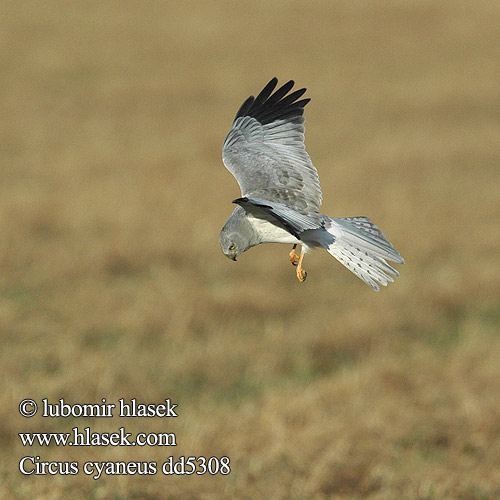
pixel 232 247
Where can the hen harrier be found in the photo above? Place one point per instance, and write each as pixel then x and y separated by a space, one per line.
pixel 281 195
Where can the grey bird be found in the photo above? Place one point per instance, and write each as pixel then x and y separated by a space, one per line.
pixel 281 194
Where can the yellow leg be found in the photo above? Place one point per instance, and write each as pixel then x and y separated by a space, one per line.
pixel 293 256
pixel 301 273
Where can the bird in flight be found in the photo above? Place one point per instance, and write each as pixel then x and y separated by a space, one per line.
pixel 281 194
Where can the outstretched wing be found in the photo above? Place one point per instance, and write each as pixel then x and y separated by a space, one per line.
pixel 265 150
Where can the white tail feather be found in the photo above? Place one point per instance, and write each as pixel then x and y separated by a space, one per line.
pixel 361 247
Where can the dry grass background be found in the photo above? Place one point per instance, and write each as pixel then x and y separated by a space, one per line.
pixel 112 282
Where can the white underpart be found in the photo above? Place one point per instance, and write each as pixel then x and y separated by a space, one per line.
pixel 271 233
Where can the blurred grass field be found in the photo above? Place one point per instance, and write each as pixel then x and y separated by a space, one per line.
pixel 112 282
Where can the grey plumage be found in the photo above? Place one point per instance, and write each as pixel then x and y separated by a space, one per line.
pixel 265 150
pixel 281 194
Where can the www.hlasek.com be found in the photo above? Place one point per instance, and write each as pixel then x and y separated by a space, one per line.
pixel 34 465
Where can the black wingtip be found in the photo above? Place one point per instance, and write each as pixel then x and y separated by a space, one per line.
pixel 244 200
pixel 268 106
pixel 237 201
pixel 273 81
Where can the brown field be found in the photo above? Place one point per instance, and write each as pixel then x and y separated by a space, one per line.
pixel 112 282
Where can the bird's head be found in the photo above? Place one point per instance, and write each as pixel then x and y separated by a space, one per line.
pixel 237 235
pixel 232 243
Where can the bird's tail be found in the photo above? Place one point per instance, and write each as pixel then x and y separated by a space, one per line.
pixel 360 246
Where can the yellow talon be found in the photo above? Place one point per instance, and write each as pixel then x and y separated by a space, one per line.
pixel 301 273
pixel 294 258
